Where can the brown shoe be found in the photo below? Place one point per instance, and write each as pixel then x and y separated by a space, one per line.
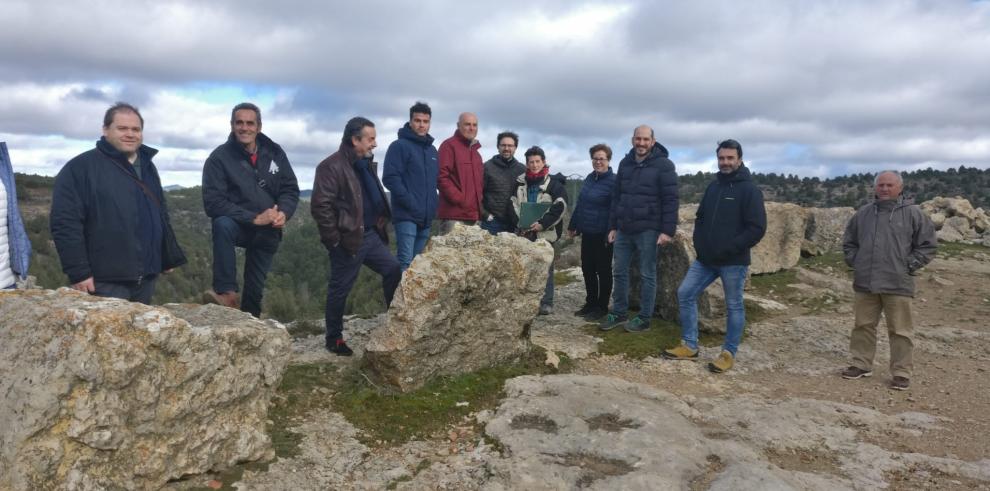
pixel 226 299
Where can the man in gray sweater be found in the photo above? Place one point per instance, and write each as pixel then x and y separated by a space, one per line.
pixel 886 242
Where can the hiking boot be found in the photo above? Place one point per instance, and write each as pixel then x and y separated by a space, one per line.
pixel 637 324
pixel 900 383
pixel 545 309
pixel 721 364
pixel 853 373
pixel 583 311
pixel 226 299
pixel 682 352
pixel 611 321
pixel 594 314
pixel 339 348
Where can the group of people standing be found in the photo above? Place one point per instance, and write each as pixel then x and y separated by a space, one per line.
pixel 111 226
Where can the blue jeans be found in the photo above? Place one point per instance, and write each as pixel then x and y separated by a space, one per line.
pixel 494 226
pixel 134 291
pixel 344 270
pixel 259 243
pixel 698 277
pixel 625 244
pixel 410 239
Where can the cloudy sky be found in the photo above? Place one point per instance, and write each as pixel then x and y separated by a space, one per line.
pixel 811 88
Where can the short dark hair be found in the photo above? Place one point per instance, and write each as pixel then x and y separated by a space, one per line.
pixel 420 107
pixel 601 147
pixel 731 145
pixel 120 107
pixel 353 129
pixel 535 150
pixel 241 107
pixel 509 134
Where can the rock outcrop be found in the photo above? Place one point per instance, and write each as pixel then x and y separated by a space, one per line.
pixel 956 220
pixel 824 229
pixel 106 394
pixel 464 304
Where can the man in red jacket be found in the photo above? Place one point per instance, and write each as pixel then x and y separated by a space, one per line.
pixel 461 174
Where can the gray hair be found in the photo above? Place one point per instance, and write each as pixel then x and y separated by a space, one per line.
pixel 900 180
pixel 242 106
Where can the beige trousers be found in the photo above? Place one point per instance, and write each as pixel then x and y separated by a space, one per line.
pixel 896 310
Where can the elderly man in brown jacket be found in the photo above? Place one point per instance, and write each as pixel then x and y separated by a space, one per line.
pixel 351 210
pixel 886 242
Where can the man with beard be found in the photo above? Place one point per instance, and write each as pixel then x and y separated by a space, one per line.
pixel 501 173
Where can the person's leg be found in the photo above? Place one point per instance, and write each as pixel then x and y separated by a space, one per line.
pixel 589 270
pixel 646 243
pixel 697 278
pixel 733 280
pixel 604 270
pixel 405 242
pixel 381 261
pixel 492 226
pixel 143 291
pixel 623 256
pixel 259 253
pixel 863 339
pixel 422 237
pixel 344 270
pixel 900 329
pixel 226 234
pixel 547 301
pixel 111 289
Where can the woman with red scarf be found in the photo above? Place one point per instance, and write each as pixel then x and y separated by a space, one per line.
pixel 538 186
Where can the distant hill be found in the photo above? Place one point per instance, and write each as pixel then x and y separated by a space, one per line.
pixel 173 187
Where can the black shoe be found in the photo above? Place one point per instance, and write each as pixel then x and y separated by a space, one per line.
pixel 900 383
pixel 340 348
pixel 611 321
pixel 584 310
pixel 853 373
pixel 545 309
pixel 595 313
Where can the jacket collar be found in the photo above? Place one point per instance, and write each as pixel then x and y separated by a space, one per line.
pixel 145 153
pixel 407 133
pixel 472 144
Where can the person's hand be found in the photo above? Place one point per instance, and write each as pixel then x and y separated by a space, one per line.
pixel 85 286
pixel 611 236
pixel 571 234
pixel 536 227
pixel 664 239
pixel 266 217
pixel 279 220
pixel 169 270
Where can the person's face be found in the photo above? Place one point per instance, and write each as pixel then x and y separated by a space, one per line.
pixel 535 163
pixel 599 161
pixel 888 187
pixel 728 160
pixel 420 123
pixel 506 147
pixel 642 142
pixel 245 126
pixel 366 143
pixel 124 132
pixel 467 126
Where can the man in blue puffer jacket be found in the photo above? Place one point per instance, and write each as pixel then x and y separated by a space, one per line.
pixel 410 174
pixel 643 216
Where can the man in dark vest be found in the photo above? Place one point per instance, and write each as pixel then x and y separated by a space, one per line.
pixel 499 185
pixel 250 191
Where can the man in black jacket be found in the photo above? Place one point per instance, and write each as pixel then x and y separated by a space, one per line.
pixel 250 191
pixel 108 213
pixel 730 221
pixel 501 173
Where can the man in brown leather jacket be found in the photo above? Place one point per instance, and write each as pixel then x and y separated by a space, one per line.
pixel 351 210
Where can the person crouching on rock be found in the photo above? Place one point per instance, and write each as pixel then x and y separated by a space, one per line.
pixel 351 210
pixel 536 187
pixel 590 221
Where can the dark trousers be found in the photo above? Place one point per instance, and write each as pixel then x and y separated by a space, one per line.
pixel 259 243
pixel 344 270
pixel 596 264
pixel 134 291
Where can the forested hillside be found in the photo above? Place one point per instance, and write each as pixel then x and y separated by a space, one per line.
pixel 297 285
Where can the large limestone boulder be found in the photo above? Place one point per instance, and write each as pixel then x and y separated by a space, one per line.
pixel 825 229
pixel 464 304
pixel 106 394
pixel 950 207
pixel 781 246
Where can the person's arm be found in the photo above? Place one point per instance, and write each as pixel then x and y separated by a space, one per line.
pixel 67 222
pixel 754 223
pixel 215 201
pixel 447 180
pixel 393 170
pixel 669 202
pixel 288 189
pixel 924 242
pixel 850 241
pixel 558 193
pixel 322 207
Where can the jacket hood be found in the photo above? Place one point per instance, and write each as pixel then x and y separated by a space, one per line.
pixel 144 151
pixel 406 132
pixel 559 177
pixel 472 144
pixel 658 151
pixel 900 202
pixel 739 175
pixel 596 176
pixel 261 140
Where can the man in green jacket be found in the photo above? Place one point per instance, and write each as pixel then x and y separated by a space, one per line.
pixel 886 242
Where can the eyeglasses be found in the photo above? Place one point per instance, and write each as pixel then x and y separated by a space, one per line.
pixel 506 146
pixel 599 160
